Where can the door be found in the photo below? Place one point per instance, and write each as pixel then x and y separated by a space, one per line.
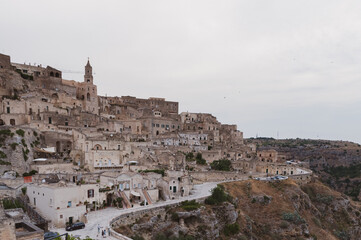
pixel 70 220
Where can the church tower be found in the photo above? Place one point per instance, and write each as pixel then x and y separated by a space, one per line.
pixel 88 77
pixel 87 91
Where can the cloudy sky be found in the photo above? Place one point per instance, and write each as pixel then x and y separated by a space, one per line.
pixel 276 68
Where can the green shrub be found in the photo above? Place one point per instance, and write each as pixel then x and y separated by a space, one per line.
pixel 23 142
pixel 12 203
pixel 292 217
pixel 5 132
pixel 201 161
pixel 218 196
pixel 23 190
pixel 4 163
pixel 20 132
pixel 174 217
pixel 25 154
pixel 190 205
pixel 31 173
pixel 190 157
pixel 231 229
pixel 2 154
pixel 13 146
pixel 222 165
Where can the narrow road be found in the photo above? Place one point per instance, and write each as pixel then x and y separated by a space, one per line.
pixel 103 217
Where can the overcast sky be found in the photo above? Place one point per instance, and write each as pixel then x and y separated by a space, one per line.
pixel 275 68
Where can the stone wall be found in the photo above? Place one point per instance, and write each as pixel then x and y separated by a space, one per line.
pixel 216 176
pixel 130 218
pixel 7 227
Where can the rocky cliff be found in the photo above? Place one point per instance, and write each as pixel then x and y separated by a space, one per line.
pixel 16 148
pixel 258 210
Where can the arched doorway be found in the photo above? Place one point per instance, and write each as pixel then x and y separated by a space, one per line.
pixel 109 199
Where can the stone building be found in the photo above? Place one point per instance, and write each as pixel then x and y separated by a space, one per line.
pixel 63 203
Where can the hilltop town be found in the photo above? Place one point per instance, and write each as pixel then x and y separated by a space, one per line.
pixel 66 151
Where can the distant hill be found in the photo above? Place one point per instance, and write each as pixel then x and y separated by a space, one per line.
pixel 337 163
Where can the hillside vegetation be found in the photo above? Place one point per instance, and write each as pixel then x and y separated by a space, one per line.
pixel 257 210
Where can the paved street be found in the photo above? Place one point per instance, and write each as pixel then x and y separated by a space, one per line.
pixel 103 217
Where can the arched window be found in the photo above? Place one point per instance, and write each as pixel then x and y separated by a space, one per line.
pixel 51 74
pixel 97 147
pixel 88 97
pixel 57 75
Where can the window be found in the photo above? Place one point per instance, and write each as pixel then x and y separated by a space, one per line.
pixel 61 216
pixel 90 193
pixel 69 204
pixel 118 147
pixel 8 109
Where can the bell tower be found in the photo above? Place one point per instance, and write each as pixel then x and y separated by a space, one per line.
pixel 88 77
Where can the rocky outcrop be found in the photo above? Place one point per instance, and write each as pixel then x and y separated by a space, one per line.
pixel 16 148
pixel 262 210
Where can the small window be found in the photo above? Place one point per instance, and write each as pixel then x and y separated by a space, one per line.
pixel 61 216
pixel 90 193
pixel 69 204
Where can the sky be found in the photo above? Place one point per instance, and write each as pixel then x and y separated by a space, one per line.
pixel 282 69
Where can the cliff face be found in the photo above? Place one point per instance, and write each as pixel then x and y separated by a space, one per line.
pixel 284 210
pixel 16 149
pixel 260 211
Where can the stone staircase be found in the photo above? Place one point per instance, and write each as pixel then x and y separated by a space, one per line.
pixel 146 195
pixel 126 201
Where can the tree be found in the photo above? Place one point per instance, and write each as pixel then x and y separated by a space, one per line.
pixel 222 165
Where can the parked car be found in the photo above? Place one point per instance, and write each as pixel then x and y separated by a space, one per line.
pixel 75 226
pixel 50 235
